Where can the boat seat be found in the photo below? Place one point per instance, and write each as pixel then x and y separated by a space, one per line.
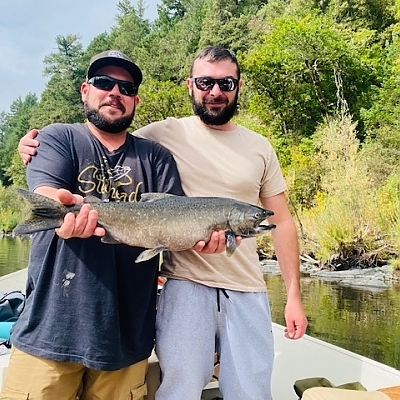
pixel 323 393
pixel 392 392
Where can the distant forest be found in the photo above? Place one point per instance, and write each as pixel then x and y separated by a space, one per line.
pixel 321 82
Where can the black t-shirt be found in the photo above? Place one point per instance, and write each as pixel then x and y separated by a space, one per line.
pixel 88 302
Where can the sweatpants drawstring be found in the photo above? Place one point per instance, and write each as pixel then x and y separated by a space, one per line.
pixel 218 297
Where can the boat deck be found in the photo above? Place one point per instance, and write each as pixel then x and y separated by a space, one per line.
pixel 304 358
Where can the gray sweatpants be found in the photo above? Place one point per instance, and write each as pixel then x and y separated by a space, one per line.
pixel 194 321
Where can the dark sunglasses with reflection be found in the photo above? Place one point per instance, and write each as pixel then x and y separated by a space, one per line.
pixel 205 83
pixel 107 83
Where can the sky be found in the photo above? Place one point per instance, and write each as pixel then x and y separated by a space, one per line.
pixel 28 31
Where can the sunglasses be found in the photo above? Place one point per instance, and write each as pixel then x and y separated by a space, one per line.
pixel 205 83
pixel 107 83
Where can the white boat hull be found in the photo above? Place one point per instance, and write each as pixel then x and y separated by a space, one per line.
pixel 310 357
pixel 299 359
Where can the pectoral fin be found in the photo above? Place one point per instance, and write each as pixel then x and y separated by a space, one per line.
pixel 109 239
pixel 148 254
pixel 230 243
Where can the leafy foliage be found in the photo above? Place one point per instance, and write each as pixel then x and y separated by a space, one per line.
pixel 160 100
pixel 60 100
pixel 321 82
pixel 9 213
pixel 12 127
pixel 343 223
pixel 302 71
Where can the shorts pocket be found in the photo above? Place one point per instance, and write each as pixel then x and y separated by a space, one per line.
pixel 9 394
pixel 137 392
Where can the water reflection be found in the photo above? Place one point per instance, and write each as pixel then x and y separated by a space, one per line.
pixel 14 254
pixel 366 322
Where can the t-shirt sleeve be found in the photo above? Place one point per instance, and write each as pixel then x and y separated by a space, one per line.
pixel 52 165
pixel 273 182
pixel 165 171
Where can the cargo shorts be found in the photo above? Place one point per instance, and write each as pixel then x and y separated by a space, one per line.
pixel 31 377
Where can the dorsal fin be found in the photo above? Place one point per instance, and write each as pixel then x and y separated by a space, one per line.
pixel 91 199
pixel 155 196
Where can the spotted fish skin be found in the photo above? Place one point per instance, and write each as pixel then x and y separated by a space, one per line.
pixel 158 222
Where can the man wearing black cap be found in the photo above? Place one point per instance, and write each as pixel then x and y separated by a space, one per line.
pixel 118 59
pixel 225 303
pixel 88 325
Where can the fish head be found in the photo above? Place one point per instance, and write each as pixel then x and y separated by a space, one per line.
pixel 245 220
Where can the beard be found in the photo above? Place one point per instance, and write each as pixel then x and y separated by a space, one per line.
pixel 100 122
pixel 217 117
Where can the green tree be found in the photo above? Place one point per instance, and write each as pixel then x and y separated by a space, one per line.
pixel 11 211
pixel 228 23
pixel 175 39
pixel 382 148
pixel 129 36
pixel 360 14
pixel 12 127
pixel 61 101
pixel 160 100
pixel 100 43
pixel 303 70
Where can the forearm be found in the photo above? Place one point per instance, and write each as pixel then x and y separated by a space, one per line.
pixel 287 252
pixel 286 246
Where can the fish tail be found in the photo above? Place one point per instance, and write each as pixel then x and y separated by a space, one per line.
pixel 45 214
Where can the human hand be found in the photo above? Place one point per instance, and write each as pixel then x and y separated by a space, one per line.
pixel 27 146
pixel 296 320
pixel 82 225
pixel 216 244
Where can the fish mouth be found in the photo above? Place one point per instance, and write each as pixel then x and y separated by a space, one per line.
pixel 262 228
pixel 258 230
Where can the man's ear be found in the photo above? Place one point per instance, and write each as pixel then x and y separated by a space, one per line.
pixel 84 90
pixel 189 85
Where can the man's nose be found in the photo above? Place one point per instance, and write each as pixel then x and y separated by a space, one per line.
pixel 215 89
pixel 115 90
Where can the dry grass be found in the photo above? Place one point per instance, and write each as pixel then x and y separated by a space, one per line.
pixel 343 224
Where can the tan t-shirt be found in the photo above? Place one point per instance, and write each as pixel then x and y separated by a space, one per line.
pixel 240 164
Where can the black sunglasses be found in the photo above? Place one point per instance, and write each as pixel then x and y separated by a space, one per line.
pixel 205 83
pixel 104 82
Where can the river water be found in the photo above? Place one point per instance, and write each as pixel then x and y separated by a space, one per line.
pixel 366 322
pixel 14 254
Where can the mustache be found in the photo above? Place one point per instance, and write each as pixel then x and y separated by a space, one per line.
pixel 213 100
pixel 114 102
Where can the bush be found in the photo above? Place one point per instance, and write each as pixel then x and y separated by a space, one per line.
pixel 343 224
pixel 10 209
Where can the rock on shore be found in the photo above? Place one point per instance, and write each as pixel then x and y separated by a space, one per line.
pixel 378 277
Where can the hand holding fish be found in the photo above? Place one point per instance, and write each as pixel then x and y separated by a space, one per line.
pixel 82 225
pixel 216 244
pixel 158 222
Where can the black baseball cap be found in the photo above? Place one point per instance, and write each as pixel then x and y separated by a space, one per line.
pixel 118 59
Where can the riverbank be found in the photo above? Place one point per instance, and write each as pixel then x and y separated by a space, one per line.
pixel 377 278
pixel 372 279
